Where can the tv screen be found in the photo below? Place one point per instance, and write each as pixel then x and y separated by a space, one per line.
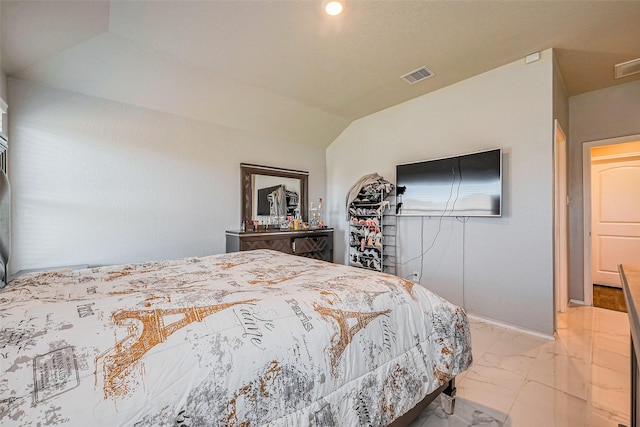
pixel 465 185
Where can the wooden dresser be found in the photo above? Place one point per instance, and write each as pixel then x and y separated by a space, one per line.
pixel 315 243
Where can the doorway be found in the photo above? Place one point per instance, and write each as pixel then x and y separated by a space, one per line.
pixel 561 269
pixel 611 183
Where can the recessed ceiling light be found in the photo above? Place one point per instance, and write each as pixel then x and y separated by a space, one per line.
pixel 332 7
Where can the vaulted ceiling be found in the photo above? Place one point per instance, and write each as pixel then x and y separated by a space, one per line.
pixel 284 69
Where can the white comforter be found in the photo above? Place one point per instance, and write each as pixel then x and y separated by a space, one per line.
pixel 243 339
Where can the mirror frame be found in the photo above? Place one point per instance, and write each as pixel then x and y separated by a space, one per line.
pixel 247 172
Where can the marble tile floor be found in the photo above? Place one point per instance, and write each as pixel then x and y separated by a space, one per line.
pixel 519 380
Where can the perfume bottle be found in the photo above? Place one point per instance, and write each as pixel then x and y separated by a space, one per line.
pixel 319 220
pixel 313 216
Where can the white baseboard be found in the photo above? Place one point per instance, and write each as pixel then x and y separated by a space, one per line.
pixel 577 302
pixel 511 327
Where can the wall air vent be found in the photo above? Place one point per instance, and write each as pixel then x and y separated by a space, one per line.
pixel 418 75
pixel 628 68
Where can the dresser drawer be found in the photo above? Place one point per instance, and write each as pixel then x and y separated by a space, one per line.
pixel 280 245
pixel 303 245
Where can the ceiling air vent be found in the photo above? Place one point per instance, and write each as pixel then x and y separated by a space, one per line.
pixel 628 68
pixel 417 75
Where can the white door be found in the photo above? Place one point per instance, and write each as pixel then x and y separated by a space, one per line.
pixel 615 214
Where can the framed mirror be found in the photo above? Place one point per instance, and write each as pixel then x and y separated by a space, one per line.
pixel 258 182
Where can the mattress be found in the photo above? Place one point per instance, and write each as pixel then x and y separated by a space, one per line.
pixel 241 339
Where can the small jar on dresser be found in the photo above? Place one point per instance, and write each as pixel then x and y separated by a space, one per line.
pixel 316 243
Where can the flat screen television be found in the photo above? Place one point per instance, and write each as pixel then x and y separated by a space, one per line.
pixel 464 185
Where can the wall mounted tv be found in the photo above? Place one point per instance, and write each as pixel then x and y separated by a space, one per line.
pixel 464 185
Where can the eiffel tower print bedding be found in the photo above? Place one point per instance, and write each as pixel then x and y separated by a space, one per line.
pixel 242 339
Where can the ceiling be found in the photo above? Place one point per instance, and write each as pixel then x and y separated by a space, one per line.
pixel 284 69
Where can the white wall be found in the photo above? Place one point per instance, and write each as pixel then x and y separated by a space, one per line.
pixel 560 100
pixel 101 182
pixel 602 114
pixel 507 262
pixel 3 76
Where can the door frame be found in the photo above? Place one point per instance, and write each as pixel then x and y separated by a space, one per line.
pixel 561 229
pixel 586 209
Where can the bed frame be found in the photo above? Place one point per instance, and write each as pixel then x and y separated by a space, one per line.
pixel 448 403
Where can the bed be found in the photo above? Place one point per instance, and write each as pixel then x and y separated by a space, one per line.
pixel 241 339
